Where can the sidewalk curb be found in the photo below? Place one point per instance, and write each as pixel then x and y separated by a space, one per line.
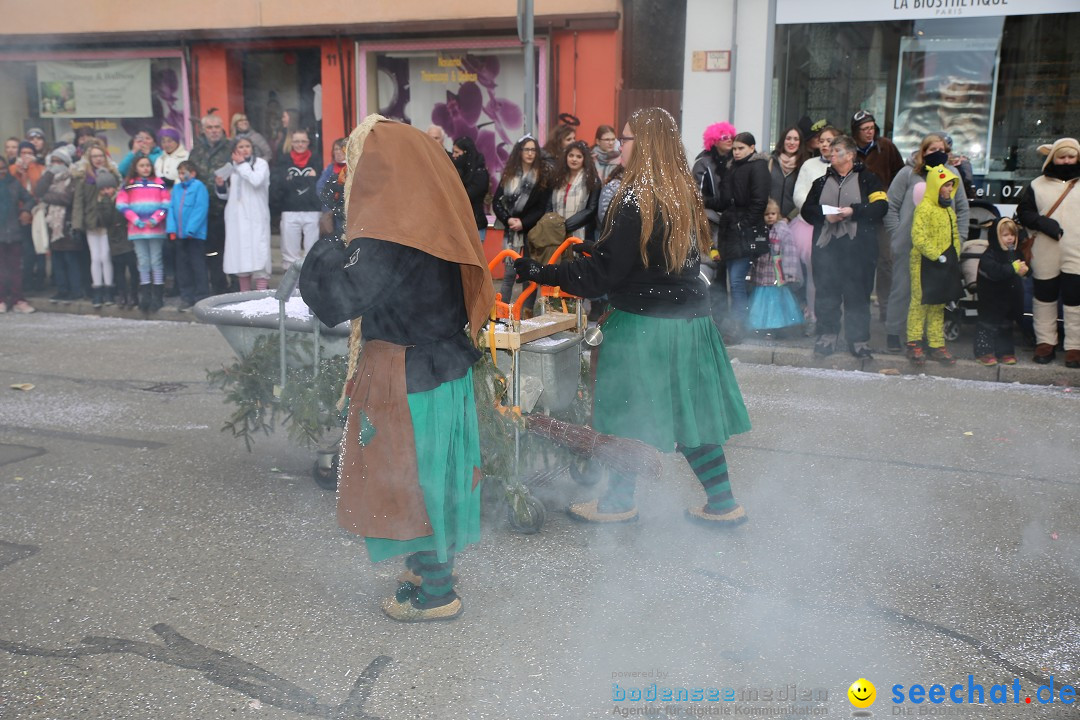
pixel 1024 372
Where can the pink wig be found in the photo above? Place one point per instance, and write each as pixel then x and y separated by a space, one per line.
pixel 715 131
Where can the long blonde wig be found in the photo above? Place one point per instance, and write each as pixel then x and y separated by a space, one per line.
pixel 354 148
pixel 658 176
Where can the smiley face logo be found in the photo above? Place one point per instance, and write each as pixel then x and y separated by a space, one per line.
pixel 862 693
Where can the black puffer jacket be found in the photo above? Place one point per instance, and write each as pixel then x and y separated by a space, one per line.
pixel 474 175
pixel 1001 294
pixel 744 195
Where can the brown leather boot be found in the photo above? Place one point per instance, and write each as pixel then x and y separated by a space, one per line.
pixel 1044 353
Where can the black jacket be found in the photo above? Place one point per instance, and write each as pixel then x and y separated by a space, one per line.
pixel 743 198
pixel 292 186
pixel 379 280
pixel 615 269
pixel 1000 292
pixel 474 176
pixel 502 206
pixel 869 211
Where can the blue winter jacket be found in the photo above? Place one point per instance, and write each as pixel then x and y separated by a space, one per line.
pixel 188 209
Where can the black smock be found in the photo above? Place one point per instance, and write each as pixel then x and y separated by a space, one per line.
pixel 405 296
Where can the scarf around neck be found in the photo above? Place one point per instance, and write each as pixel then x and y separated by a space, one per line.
pixel 300 159
pixel 787 162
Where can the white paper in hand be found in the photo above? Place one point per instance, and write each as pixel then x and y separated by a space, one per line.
pixel 224 172
pixel 830 210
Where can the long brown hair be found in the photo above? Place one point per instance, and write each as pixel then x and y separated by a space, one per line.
pixel 513 163
pixel 588 167
pixel 659 178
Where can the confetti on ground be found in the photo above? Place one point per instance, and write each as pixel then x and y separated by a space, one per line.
pixel 889 371
pixel 22 386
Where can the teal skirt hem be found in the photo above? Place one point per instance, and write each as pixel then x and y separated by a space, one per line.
pixel 666 381
pixel 447 451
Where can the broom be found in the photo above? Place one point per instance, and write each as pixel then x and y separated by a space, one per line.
pixel 624 456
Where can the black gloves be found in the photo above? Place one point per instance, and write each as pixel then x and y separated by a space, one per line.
pixel 528 270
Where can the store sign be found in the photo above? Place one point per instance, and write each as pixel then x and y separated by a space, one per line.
pixel 800 12
pixel 476 94
pixel 94 88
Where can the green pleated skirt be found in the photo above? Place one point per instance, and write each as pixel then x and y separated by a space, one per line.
pixel 665 381
pixel 447 451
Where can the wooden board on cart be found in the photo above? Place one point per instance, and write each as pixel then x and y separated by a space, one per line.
pixel 533 329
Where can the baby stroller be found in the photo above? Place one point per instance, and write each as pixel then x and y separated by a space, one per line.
pixel 966 308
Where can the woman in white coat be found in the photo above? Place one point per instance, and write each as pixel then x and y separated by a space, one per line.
pixel 246 190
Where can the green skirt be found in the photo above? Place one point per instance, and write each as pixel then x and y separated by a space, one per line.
pixel 665 381
pixel 447 451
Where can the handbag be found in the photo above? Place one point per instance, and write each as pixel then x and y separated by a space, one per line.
pixel 547 235
pixel 754 240
pixel 942 282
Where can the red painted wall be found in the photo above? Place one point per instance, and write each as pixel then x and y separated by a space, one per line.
pixel 586 79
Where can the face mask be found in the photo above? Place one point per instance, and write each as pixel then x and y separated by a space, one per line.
pixel 935 158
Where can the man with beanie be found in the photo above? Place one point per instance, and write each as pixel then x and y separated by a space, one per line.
pixel 212 151
pixel 879 156
pixel 36 137
pixel 410 459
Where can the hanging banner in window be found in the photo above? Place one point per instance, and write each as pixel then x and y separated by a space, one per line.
pixel 800 12
pixel 94 88
pixel 947 85
pixel 468 93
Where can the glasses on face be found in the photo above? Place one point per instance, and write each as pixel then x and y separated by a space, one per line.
pixel 528 150
pixel 626 138
pixel 726 138
pixel 608 139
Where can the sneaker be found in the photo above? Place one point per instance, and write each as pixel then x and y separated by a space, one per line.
pixel 57 298
pixel 989 360
pixel 1044 353
pixel 185 306
pixel 3 308
pixel 1008 360
pixel 942 355
pixel 915 353
pixel 728 519
pixel 23 307
pixel 589 512
pixel 1072 359
pixel 892 344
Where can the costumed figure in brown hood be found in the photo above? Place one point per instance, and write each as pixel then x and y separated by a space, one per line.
pixel 412 268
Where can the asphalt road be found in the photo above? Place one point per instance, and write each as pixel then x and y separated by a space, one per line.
pixel 909 530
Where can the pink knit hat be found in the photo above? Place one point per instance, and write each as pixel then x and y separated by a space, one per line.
pixel 716 131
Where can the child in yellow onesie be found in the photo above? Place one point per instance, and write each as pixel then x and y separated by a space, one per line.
pixel 933 230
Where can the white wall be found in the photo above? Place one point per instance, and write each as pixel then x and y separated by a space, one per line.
pixel 706 95
pixel 753 67
pixel 746 28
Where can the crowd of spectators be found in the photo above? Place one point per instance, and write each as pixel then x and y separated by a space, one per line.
pixel 844 204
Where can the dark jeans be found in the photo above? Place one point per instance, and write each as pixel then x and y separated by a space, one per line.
pixel 215 252
pixel 11 273
pixel 125 272
pixel 33 265
pixel 68 272
pixel 844 277
pixel 191 273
